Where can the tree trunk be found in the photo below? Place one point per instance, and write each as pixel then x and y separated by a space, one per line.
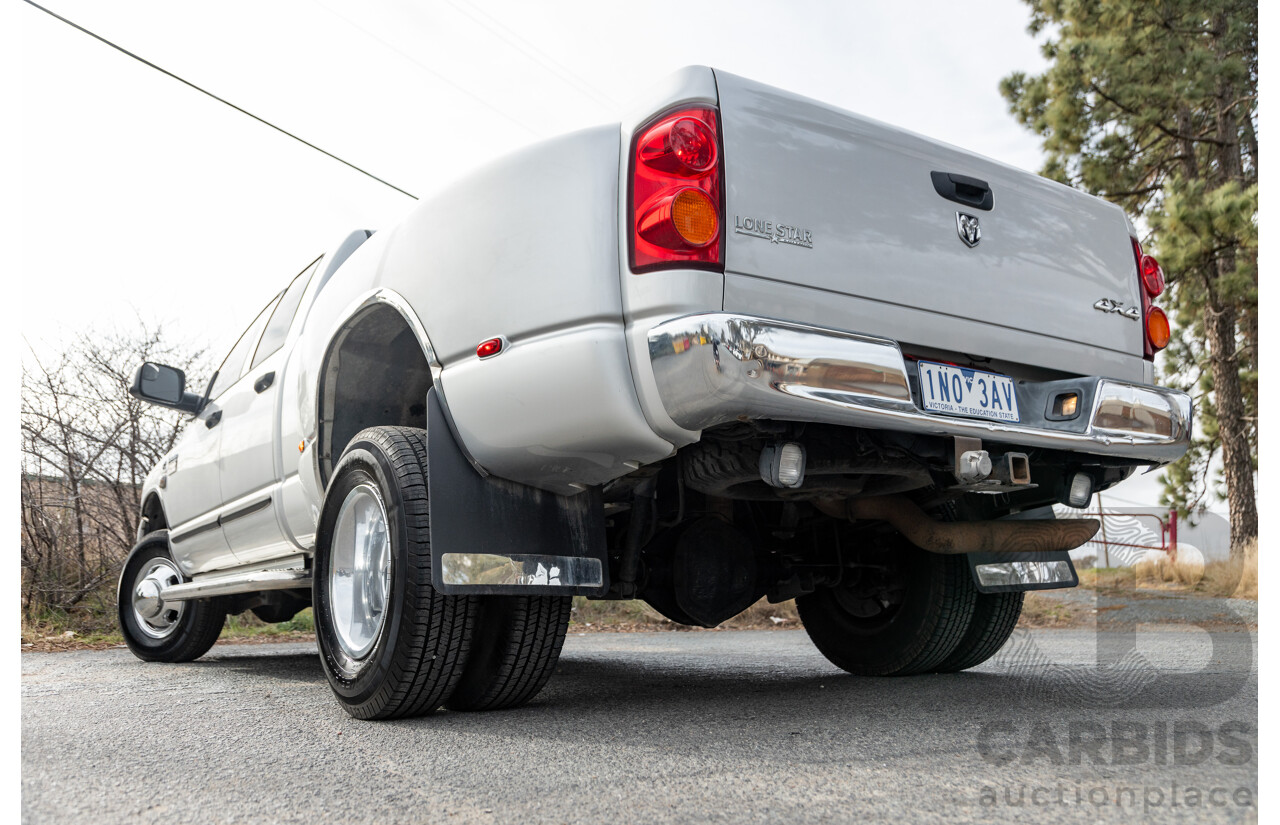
pixel 1237 460
pixel 1221 319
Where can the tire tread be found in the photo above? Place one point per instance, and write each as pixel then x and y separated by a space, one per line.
pixel 434 630
pixel 523 639
pixel 995 616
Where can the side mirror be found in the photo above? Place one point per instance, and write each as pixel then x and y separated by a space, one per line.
pixel 165 387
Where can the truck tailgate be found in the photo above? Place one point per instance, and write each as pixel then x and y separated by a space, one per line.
pixel 822 198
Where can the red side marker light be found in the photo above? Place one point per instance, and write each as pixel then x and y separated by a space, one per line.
pixel 490 348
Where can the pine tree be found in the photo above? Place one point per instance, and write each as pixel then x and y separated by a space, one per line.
pixel 1153 104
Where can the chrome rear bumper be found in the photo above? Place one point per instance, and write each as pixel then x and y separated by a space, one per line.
pixel 717 367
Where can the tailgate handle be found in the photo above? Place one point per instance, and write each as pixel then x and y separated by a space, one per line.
pixel 963 189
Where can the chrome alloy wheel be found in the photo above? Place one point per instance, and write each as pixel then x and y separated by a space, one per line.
pixel 156 618
pixel 360 570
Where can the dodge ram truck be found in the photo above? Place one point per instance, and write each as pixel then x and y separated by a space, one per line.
pixel 740 345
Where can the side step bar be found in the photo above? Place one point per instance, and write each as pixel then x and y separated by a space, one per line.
pixel 263 577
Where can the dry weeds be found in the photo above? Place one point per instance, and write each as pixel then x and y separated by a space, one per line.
pixel 1235 578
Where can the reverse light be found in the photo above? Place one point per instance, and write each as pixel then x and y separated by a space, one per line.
pixel 676 193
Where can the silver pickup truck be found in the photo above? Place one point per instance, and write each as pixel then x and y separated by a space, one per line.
pixel 740 345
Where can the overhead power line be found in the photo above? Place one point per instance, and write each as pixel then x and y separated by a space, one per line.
pixel 353 24
pixel 203 91
pixel 553 66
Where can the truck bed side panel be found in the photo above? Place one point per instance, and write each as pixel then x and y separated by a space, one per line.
pixel 527 249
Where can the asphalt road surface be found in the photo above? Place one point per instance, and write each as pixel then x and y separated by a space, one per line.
pixel 661 727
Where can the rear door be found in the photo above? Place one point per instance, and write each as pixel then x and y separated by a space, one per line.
pixel 192 486
pixel 248 455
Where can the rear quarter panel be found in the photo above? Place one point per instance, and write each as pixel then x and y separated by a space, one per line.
pixel 525 248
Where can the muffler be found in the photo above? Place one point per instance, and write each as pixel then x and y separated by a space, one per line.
pixel 1039 536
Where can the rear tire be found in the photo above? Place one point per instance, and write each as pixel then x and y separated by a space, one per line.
pixel 995 615
pixel 390 644
pixel 156 631
pixel 930 606
pixel 514 649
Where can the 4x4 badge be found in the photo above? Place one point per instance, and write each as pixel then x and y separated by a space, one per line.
pixel 1113 306
pixel 968 229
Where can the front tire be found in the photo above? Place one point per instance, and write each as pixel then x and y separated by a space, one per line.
pixel 391 645
pixel 901 616
pixel 154 630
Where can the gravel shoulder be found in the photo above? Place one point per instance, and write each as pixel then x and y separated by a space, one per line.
pixel 1117 608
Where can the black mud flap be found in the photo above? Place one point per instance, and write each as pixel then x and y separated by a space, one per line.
pixel 490 536
pixel 1009 572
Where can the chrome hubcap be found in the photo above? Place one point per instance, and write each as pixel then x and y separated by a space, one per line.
pixel 155 617
pixel 360 572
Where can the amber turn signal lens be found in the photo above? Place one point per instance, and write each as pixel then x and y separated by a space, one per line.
pixel 694 216
pixel 1157 328
pixel 1067 404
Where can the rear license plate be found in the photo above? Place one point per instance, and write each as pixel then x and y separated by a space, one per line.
pixel 962 391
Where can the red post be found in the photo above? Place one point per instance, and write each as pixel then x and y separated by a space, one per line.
pixel 1173 534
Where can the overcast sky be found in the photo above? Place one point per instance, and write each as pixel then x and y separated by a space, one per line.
pixel 146 198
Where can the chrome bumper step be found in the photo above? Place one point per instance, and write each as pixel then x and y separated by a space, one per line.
pixel 270 576
pixel 715 368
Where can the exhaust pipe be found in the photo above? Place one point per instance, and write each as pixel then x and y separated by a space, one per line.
pixel 1044 536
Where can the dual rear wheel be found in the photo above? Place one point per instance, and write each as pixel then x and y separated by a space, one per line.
pixel 917 612
pixel 391 645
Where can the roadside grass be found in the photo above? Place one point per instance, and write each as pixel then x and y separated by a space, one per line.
pixel 97 629
pixel 248 626
pixel 1233 578
pixel 635 615
pixel 1237 579
pixel 64 629
pixel 1105 578
pixel 1041 611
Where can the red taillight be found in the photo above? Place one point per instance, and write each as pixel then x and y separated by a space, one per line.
pixel 1152 275
pixel 685 146
pixel 676 202
pixel 1155 324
